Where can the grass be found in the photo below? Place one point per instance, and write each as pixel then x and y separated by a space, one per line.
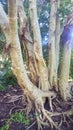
pixel 18 117
pixel 2 87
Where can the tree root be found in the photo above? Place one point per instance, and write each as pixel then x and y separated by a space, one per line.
pixel 52 123
pixel 12 99
pixel 14 107
pixel 46 117
pixel 31 125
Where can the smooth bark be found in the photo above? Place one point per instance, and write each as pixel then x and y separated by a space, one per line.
pixel 64 74
pixel 52 54
pixel 57 42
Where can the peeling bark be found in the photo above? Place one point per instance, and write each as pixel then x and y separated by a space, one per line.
pixel 40 65
pixel 17 62
pixel 16 57
pixel 27 41
pixel 19 70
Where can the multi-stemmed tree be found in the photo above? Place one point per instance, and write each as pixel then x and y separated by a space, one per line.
pixel 41 80
pixel 54 49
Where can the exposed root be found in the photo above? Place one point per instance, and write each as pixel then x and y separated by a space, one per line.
pixel 39 124
pixel 12 99
pixel 70 118
pixel 46 117
pixel 52 123
pixel 43 123
pixel 60 122
pixel 49 115
pixel 31 125
pixel 14 107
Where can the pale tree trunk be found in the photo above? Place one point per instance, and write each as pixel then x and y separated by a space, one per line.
pixel 17 62
pixel 40 65
pixel 18 69
pixel 65 64
pixel 4 22
pixel 27 41
pixel 64 74
pixel 52 58
pixel 16 56
pixel 57 42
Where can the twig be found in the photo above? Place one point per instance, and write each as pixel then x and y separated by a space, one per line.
pixel 10 112
pixel 13 98
pixel 31 125
pixel 70 118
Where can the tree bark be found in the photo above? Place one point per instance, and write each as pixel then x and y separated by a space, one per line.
pixel 57 43
pixel 18 68
pixel 65 64
pixel 52 54
pixel 15 52
pixel 40 65
pixel 17 62
pixel 4 23
pixel 64 74
pixel 27 41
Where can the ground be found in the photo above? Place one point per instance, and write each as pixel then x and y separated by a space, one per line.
pixel 16 115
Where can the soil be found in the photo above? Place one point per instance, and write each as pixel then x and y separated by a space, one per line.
pixel 12 100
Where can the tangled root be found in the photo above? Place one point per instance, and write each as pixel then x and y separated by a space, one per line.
pixel 45 117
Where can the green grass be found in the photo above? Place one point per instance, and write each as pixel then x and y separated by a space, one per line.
pixel 18 117
pixel 2 87
pixel 5 127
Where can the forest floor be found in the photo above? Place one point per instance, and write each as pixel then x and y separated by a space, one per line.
pixel 15 112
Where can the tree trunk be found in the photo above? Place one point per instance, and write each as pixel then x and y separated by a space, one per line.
pixel 52 54
pixel 65 64
pixel 64 74
pixel 17 62
pixel 15 53
pixel 57 43
pixel 27 41
pixel 18 68
pixel 40 65
pixel 4 23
